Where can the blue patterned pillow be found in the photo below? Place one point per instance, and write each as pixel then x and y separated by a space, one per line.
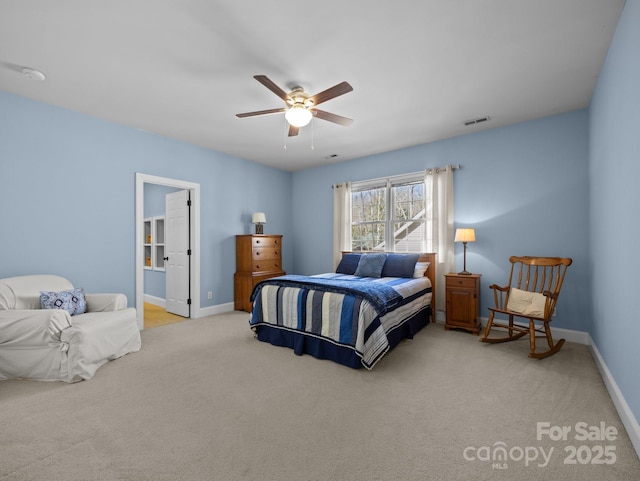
pixel 72 301
pixel 399 265
pixel 348 264
pixel 370 265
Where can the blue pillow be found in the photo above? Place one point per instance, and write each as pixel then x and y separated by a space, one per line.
pixel 370 265
pixel 348 264
pixel 72 301
pixel 399 265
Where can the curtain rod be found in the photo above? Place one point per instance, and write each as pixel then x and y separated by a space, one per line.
pixel 453 167
pixel 392 177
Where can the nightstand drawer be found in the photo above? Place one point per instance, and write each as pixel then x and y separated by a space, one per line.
pixel 461 281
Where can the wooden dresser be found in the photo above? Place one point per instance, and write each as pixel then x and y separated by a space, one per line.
pixel 258 257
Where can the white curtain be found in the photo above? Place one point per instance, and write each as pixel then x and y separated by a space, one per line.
pixel 440 233
pixel 341 221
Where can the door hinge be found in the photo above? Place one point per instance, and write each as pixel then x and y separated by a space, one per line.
pixel 189 202
pixel 189 302
pixel 188 252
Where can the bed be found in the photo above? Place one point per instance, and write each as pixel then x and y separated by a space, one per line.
pixel 351 316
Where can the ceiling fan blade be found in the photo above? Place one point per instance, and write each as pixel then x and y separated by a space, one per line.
pixel 333 92
pixel 261 112
pixel 264 80
pixel 293 130
pixel 336 119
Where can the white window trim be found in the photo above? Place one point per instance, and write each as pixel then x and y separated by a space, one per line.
pixel 388 183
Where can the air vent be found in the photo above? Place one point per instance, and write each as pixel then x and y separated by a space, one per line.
pixel 476 121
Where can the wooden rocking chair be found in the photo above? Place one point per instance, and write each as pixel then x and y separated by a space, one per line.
pixel 531 293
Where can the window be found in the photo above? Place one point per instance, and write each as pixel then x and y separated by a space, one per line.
pixel 389 214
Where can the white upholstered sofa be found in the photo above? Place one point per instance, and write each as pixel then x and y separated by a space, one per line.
pixel 52 344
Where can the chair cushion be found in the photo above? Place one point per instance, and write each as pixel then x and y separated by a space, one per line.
pixel 72 301
pixel 526 303
pixel 370 265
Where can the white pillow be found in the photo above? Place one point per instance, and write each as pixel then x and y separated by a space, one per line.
pixel 527 303
pixel 421 268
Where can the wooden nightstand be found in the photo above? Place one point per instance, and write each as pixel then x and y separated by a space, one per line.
pixel 463 302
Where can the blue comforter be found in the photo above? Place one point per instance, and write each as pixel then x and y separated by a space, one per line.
pixel 382 296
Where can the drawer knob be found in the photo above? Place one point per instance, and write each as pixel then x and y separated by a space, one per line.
pixel 258 253
pixel 257 241
pixel 277 253
pixel 257 266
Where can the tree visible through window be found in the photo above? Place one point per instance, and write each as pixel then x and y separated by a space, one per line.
pixel 388 215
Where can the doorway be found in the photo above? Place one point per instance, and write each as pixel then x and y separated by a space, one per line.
pixel 194 232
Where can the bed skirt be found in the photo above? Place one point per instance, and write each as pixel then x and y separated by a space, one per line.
pixel 325 349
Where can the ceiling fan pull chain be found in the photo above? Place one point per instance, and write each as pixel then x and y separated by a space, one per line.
pixel 286 129
pixel 312 133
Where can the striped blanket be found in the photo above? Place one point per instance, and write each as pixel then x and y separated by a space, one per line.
pixel 343 310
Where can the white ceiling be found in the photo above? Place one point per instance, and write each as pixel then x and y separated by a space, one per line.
pixel 419 68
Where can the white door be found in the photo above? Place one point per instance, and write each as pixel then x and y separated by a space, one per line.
pixel 177 253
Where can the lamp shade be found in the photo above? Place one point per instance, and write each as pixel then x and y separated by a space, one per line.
pixel 298 116
pixel 465 235
pixel 258 218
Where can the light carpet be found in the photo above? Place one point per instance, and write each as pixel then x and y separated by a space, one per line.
pixel 204 400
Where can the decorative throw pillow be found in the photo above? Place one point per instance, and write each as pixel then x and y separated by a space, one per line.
pixel 399 265
pixel 421 268
pixel 72 301
pixel 348 264
pixel 370 265
pixel 526 303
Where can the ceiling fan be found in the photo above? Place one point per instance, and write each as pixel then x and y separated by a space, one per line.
pixel 301 106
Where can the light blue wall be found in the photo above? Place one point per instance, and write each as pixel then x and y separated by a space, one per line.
pixel 67 198
pixel 524 188
pixel 614 167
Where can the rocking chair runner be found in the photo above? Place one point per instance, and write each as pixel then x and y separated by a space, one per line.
pixel 531 293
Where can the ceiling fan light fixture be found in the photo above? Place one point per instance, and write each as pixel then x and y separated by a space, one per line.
pixel 298 116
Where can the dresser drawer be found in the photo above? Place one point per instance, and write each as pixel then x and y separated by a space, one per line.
pixel 460 281
pixel 267 265
pixel 262 253
pixel 265 242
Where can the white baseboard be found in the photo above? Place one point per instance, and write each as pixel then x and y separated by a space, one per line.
pixel 156 301
pixel 219 309
pixel 624 411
